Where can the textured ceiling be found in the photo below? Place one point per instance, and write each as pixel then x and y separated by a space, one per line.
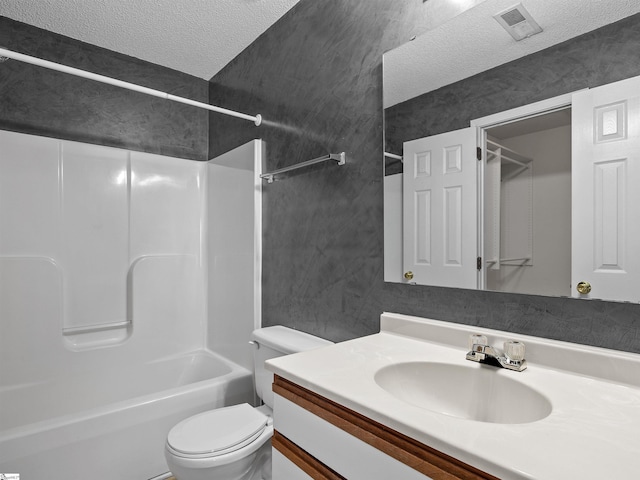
pixel 198 37
pixel 473 42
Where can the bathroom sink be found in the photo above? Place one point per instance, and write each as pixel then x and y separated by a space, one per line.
pixel 478 392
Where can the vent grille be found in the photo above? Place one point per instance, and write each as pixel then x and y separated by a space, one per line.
pixel 518 22
pixel 513 17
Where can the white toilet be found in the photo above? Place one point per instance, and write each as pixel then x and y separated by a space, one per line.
pixel 233 443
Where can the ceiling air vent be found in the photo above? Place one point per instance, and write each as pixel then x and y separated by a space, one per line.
pixel 518 22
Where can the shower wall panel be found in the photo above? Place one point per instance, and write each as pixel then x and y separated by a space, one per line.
pixel 234 246
pixel 94 251
pixel 99 247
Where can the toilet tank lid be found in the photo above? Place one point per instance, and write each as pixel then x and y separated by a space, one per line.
pixel 287 340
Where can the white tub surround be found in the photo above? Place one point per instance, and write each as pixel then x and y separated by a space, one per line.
pixel 594 393
pixel 97 243
pixel 106 335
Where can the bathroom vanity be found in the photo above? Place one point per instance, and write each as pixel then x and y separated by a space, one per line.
pixel 355 445
pixel 406 404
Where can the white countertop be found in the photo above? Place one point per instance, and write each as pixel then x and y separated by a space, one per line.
pixel 593 430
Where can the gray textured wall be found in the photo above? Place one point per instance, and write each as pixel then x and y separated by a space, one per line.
pixel 44 102
pixel 316 77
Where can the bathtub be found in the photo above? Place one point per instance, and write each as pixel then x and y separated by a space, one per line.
pixel 111 424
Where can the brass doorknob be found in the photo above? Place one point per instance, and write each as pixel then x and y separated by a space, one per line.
pixel 583 288
pixel 408 275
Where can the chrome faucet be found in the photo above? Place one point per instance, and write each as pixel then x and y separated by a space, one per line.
pixel 512 358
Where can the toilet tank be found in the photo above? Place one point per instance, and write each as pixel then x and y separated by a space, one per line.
pixel 276 341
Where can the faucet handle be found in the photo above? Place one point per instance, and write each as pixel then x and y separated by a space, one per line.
pixel 514 351
pixel 475 339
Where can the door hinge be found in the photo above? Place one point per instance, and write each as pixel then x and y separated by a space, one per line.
pixel 479 153
pixel 479 263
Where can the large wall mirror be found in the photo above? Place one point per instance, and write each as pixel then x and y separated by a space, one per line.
pixel 512 165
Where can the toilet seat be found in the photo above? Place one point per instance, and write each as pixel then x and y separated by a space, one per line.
pixel 217 432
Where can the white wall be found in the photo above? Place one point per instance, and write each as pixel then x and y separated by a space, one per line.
pixel 551 270
pixel 100 257
pixel 393 228
pixel 234 244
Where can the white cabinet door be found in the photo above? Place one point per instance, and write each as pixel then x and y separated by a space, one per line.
pixel 285 469
pixel 440 209
pixel 605 191
pixel 336 449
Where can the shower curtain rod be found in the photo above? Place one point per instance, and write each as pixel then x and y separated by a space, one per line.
pixel 119 83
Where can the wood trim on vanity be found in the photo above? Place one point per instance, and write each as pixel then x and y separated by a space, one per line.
pixel 305 462
pixel 412 453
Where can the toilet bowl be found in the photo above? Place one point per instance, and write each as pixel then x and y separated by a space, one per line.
pixel 231 443
pixel 234 443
